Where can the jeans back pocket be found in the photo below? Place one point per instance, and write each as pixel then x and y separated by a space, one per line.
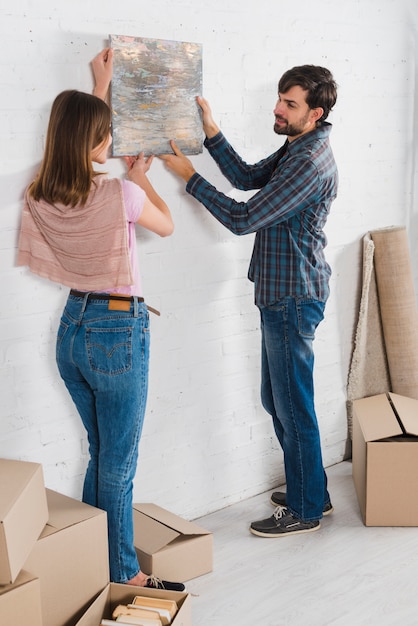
pixel 109 349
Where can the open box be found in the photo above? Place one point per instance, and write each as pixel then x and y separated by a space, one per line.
pixel 170 547
pixel 23 514
pixel 115 594
pixel 385 459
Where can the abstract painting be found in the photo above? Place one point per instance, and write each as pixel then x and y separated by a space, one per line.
pixel 153 96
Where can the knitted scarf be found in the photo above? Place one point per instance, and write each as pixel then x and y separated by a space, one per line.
pixel 83 247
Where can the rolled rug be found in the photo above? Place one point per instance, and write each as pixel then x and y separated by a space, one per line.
pixel 369 370
pixel 398 307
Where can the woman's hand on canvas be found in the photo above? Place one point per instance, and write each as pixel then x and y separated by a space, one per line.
pixel 138 165
pixel 155 214
pixel 178 163
pixel 209 126
pixel 102 66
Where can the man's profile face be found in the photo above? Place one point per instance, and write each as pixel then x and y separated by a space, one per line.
pixel 293 117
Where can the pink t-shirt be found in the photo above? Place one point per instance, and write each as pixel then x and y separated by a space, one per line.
pixel 134 199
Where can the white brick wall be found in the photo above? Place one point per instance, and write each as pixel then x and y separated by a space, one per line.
pixel 206 442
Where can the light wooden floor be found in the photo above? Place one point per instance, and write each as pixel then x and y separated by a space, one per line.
pixel 345 574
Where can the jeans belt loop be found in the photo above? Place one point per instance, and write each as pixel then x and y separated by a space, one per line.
pixel 86 298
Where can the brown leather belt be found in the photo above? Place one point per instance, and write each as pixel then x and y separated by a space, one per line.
pixel 112 298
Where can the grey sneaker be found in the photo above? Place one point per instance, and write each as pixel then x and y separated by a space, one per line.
pixel 282 523
pixel 278 498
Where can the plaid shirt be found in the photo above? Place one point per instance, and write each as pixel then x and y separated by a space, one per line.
pixel 296 187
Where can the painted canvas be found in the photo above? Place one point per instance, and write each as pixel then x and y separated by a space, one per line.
pixel 153 96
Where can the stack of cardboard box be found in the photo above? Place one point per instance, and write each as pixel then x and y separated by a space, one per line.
pixel 54 568
pixel 53 550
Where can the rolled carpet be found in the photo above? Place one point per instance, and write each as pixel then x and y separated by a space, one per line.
pixel 398 307
pixel 369 371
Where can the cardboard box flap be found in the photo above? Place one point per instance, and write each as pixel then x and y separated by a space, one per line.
pixel 23 514
pixel 15 476
pixel 159 527
pixel 65 511
pixel 171 520
pixel 407 410
pixel 376 418
pixel 151 536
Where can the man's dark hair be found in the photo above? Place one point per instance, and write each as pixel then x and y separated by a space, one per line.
pixel 317 81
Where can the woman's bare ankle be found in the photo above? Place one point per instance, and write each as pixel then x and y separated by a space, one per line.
pixel 140 580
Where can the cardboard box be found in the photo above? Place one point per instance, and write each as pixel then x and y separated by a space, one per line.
pixel 70 559
pixel 23 514
pixel 115 594
pixel 20 603
pixel 385 459
pixel 170 547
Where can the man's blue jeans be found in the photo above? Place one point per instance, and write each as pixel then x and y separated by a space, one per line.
pixel 103 356
pixel 287 393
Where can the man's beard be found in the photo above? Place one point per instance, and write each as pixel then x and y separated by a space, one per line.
pixel 291 130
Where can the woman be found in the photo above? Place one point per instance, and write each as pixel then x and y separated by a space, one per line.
pixel 78 229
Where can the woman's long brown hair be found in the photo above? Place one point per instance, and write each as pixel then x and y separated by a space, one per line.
pixel 79 122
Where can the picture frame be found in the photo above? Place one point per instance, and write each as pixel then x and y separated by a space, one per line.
pixel 153 96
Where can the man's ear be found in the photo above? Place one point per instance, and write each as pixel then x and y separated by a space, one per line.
pixel 317 113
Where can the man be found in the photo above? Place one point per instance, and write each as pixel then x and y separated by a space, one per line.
pixel 297 185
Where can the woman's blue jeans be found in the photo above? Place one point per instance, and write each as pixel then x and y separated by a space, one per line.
pixel 287 393
pixel 103 357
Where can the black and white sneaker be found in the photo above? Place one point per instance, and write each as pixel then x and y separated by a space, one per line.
pixel 282 523
pixel 278 498
pixel 156 583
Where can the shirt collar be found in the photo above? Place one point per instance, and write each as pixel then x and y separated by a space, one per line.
pixel 322 132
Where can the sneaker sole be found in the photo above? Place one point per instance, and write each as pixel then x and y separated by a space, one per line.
pixel 324 513
pixel 285 534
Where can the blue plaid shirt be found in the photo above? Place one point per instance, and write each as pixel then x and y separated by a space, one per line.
pixel 296 187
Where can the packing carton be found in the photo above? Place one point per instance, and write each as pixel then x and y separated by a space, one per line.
pixel 170 547
pixel 70 559
pixel 385 459
pixel 115 594
pixel 20 602
pixel 23 514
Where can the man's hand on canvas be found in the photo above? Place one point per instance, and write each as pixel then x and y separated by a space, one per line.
pixel 102 66
pixel 210 128
pixel 178 163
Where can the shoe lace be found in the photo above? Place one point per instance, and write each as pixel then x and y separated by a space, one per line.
pixel 279 512
pixel 153 581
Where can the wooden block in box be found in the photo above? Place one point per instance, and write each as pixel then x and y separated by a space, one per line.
pixel 23 514
pixel 115 594
pixel 20 602
pixel 70 559
pixel 170 547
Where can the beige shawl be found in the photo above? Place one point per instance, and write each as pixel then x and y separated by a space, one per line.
pixel 85 247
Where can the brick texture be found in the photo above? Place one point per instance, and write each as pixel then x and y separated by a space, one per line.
pixel 207 442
